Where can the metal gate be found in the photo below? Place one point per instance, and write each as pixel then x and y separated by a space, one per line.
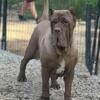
pixel 92 39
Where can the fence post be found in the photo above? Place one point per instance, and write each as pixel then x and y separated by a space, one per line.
pixel 88 38
pixel 0 9
pixel 98 48
pixel 97 56
pixel 95 34
pixel 4 41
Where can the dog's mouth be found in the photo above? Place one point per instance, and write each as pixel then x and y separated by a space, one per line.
pixel 61 48
pixel 60 45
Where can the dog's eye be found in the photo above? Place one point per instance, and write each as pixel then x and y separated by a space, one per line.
pixel 55 21
pixel 64 21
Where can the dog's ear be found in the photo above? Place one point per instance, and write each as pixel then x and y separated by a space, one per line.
pixel 51 11
pixel 72 11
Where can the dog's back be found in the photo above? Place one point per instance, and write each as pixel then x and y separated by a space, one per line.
pixel 43 27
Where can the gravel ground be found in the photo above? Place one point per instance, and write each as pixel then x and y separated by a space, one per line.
pixel 85 87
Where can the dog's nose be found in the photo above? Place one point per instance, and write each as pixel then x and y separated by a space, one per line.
pixel 57 30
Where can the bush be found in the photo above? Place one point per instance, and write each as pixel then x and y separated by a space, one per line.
pixel 11 2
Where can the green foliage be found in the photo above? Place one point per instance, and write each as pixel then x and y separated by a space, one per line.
pixel 78 5
pixel 11 2
pixel 14 4
pixel 93 2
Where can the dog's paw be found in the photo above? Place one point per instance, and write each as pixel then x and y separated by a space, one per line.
pixel 43 98
pixel 21 78
pixel 55 85
pixel 68 98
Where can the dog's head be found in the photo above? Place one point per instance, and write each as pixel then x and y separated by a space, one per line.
pixel 62 25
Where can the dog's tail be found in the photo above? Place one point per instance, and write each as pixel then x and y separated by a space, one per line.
pixel 45 14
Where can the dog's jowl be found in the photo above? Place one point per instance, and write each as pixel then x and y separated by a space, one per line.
pixel 52 41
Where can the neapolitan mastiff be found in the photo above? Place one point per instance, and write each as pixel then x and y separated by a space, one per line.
pixel 52 42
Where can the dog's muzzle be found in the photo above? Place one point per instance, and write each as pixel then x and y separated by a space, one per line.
pixel 57 30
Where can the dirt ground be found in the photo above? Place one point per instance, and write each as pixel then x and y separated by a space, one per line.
pixel 85 87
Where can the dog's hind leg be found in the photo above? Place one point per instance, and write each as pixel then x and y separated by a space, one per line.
pixel 29 54
pixel 22 77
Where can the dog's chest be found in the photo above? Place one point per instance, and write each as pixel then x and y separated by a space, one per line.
pixel 46 49
pixel 62 63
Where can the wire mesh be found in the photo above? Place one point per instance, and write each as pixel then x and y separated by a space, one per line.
pixel 19 32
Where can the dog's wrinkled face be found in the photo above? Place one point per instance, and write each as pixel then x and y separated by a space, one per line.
pixel 62 25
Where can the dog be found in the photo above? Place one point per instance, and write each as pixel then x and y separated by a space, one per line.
pixel 52 42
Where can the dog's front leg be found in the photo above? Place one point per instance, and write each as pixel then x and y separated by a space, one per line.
pixel 69 72
pixel 68 78
pixel 45 83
